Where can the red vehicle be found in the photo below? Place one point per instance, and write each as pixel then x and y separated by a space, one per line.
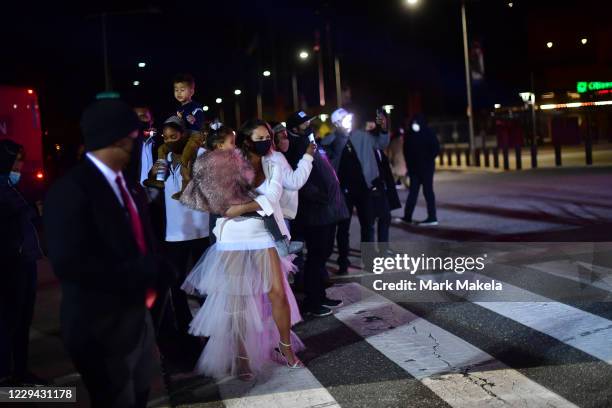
pixel 20 122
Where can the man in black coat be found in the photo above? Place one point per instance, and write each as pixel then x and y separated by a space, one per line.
pixel 321 207
pixel 421 147
pixel 101 248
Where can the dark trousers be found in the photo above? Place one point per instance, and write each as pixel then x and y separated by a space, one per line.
pixel 416 181
pixel 320 245
pixel 118 380
pixel 363 203
pixel 16 313
pixel 298 234
pixel 183 255
pixel 382 214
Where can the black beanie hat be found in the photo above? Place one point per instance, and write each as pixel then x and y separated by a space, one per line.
pixel 8 154
pixel 106 121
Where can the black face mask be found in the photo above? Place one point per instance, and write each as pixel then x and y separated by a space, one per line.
pixel 262 147
pixel 178 146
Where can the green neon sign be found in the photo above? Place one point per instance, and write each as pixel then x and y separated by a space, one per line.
pixel 583 87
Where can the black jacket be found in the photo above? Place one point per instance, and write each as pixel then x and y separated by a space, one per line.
pixel 421 149
pixel 386 182
pixel 321 201
pixel 94 254
pixel 18 238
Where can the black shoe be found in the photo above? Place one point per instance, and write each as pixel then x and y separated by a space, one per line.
pixel 320 311
pixel 342 270
pixel 327 302
pixel 429 221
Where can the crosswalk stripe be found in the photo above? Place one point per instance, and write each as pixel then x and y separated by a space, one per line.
pixel 598 276
pixel 456 371
pixel 577 328
pixel 284 388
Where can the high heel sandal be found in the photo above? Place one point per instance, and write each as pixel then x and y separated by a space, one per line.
pixel 282 359
pixel 249 376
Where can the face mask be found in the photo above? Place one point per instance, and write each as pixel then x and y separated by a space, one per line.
pixel 14 177
pixel 262 147
pixel 178 146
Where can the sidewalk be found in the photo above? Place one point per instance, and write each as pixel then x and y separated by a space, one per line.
pixel 571 156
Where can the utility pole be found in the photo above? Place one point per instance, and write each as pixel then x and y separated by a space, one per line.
pixel 468 82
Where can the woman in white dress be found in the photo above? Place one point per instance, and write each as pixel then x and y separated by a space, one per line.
pixel 250 308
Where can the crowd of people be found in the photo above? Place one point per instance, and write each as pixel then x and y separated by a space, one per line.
pixel 150 221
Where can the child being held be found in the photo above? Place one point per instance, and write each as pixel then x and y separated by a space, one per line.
pixel 222 177
pixel 191 116
pixel 191 112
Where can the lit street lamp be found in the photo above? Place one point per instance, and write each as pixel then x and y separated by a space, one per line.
pixel 237 92
pixel 468 75
pixel 304 55
pixel 529 99
pixel 142 64
pixel 218 101
pixel 259 98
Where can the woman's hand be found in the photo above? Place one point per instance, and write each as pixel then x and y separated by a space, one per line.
pixel 235 210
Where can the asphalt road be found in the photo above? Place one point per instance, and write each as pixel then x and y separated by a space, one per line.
pixel 551 348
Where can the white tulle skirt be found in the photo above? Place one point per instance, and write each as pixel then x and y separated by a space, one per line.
pixel 237 314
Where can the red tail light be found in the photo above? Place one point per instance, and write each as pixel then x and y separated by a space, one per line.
pixel 40 175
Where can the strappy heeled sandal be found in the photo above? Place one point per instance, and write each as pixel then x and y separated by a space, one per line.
pixel 249 376
pixel 282 359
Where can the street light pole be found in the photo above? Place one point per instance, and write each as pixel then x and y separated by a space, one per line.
pixel 468 82
pixel 237 92
pixel 338 81
pixel 294 86
pixel 320 64
pixel 534 131
pixel 103 16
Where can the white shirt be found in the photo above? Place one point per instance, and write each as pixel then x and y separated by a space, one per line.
pixel 111 176
pixel 293 180
pixel 182 223
pixel 146 159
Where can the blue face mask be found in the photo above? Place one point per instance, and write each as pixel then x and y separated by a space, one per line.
pixel 14 177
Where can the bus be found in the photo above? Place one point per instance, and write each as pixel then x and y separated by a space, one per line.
pixel 20 122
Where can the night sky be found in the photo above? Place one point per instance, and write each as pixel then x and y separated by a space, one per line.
pixel 386 51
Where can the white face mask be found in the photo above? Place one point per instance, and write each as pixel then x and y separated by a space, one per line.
pixel 416 127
